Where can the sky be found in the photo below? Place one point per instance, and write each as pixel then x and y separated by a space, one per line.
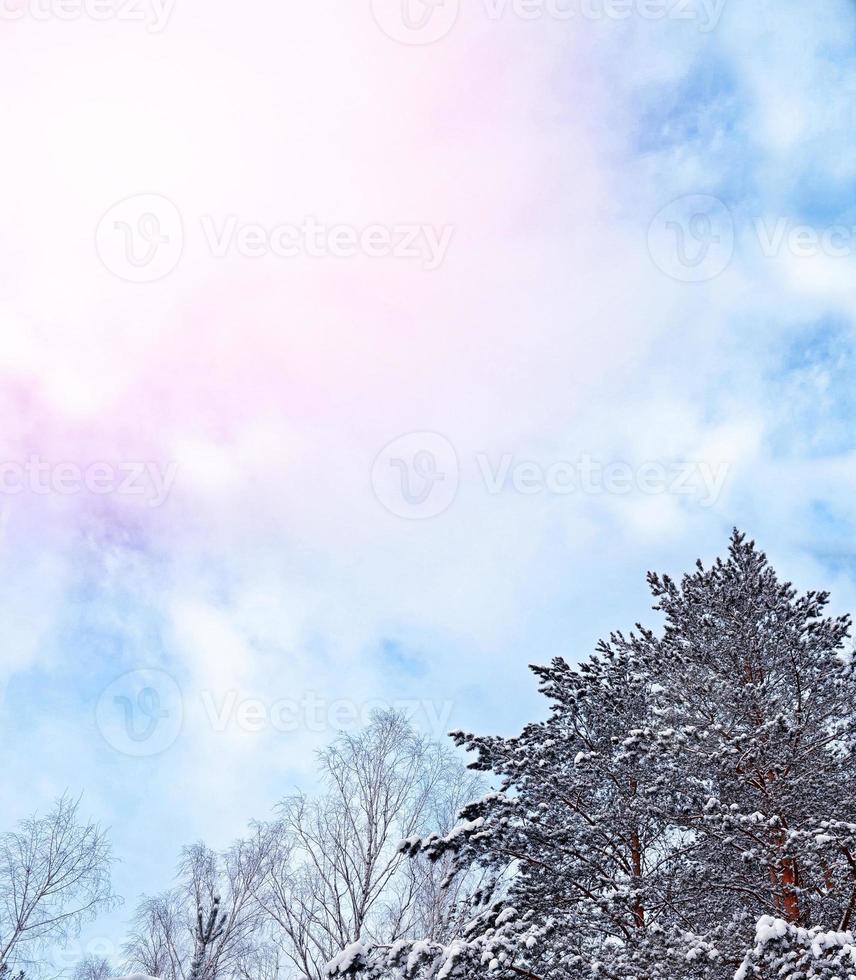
pixel 361 354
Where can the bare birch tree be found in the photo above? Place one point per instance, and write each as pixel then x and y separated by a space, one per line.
pixel 54 875
pixel 174 935
pixel 335 871
pixel 93 968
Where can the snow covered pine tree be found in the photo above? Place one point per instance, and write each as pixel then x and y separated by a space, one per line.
pixel 688 799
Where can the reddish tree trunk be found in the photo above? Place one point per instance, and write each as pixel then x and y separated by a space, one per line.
pixel 790 904
pixel 636 859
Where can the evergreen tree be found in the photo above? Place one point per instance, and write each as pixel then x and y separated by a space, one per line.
pixel 685 784
pixel 209 929
pixel 758 717
pixel 789 952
